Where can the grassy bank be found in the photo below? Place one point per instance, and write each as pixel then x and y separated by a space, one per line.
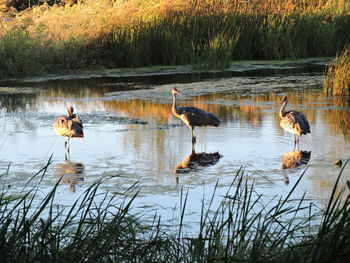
pixel 338 75
pixel 100 228
pixel 208 34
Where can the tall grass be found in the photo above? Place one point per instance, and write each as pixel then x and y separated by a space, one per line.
pixel 338 75
pixel 100 228
pixel 96 228
pixel 206 34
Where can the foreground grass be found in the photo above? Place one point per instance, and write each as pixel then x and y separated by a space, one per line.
pixel 206 34
pixel 101 229
pixel 338 75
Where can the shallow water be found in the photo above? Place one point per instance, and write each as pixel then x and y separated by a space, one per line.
pixel 131 136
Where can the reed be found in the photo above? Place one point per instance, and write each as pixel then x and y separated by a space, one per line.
pixel 100 227
pixel 338 75
pixel 96 228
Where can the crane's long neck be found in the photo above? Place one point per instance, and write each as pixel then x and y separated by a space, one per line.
pixel 70 112
pixel 283 106
pixel 174 108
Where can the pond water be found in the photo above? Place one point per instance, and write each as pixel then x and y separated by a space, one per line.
pixel 132 137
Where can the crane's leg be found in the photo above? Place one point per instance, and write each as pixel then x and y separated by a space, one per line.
pixel 193 147
pixel 298 142
pixel 193 135
pixel 68 145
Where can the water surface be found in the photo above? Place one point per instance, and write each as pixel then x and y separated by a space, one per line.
pixel 132 137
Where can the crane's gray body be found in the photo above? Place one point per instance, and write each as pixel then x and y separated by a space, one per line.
pixel 192 116
pixel 69 126
pixel 294 122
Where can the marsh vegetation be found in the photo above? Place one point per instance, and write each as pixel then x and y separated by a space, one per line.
pixel 338 74
pixel 264 215
pixel 205 34
pixel 100 227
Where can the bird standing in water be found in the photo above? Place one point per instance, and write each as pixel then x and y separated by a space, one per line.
pixel 193 116
pixel 293 122
pixel 69 126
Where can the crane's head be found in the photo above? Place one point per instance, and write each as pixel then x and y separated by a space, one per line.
pixel 175 91
pixel 285 99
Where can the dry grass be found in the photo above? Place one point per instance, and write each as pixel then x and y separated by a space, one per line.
pixel 209 34
pixel 338 75
pixel 93 18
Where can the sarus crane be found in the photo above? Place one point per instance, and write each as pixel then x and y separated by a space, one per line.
pixel 193 116
pixel 69 126
pixel 293 122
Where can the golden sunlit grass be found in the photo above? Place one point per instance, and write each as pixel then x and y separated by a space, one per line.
pixel 90 19
pixel 206 34
pixel 338 75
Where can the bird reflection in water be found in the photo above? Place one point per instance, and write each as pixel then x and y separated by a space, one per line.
pixel 194 161
pixel 71 173
pixel 295 159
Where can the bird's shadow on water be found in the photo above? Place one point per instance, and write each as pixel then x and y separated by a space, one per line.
pixel 294 159
pixel 71 173
pixel 196 161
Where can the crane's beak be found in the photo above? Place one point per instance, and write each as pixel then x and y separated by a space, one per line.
pixel 175 91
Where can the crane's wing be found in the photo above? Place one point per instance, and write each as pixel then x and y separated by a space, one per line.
pixel 297 121
pixel 77 127
pixel 193 116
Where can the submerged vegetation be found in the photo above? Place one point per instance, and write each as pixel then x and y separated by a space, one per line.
pixel 100 228
pixel 338 75
pixel 89 34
